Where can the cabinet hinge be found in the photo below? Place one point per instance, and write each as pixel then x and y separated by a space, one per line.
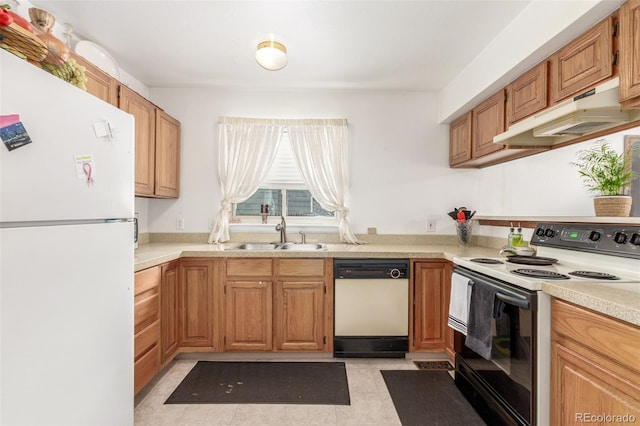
pixel 616 56
pixel 325 289
pixel 119 91
pixel 324 340
pixel 224 289
pixel 224 340
pixel 615 29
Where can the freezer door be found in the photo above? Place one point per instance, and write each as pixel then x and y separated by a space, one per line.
pixel 42 180
pixel 66 330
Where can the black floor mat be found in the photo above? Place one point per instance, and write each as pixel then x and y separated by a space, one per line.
pixel 264 383
pixel 424 397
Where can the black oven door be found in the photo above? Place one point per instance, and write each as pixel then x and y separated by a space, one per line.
pixel 503 386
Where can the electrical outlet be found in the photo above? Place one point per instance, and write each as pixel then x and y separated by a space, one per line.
pixel 180 223
pixel 431 224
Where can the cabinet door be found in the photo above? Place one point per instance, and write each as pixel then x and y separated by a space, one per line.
pixel 169 302
pixel 527 94
pixel 248 315
pixel 460 140
pixel 488 121
pixel 630 50
pixel 582 63
pixel 167 167
pixel 431 306
pixel 145 129
pixel 99 83
pixel 299 315
pixel 581 387
pixel 196 303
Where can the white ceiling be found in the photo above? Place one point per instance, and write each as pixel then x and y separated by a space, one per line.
pixel 394 44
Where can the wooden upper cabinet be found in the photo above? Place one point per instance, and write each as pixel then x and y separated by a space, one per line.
pixel 99 83
pixel 460 140
pixel 629 21
pixel 145 138
pixel 167 159
pixel 527 94
pixel 583 63
pixel 488 120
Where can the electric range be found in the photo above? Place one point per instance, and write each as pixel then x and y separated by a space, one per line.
pixel 511 385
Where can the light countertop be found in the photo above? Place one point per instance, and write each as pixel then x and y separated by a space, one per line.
pixel 618 300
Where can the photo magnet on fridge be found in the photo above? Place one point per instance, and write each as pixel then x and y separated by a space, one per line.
pixel 12 132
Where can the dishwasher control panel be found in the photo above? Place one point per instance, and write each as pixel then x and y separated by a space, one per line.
pixel 371 268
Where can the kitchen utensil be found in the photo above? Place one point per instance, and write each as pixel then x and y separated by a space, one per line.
pixel 519 251
pixel 532 260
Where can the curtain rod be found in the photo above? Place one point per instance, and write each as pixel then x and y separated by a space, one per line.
pixel 284 122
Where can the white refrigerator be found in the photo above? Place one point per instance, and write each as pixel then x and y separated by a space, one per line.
pixel 66 254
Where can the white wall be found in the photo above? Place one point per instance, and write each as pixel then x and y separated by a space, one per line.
pixel 399 162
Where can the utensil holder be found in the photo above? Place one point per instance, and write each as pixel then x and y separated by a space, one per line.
pixel 463 231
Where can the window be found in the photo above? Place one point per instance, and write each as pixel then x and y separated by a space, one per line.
pixel 284 191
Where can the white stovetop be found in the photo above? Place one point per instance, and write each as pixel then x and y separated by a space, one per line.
pixel 568 261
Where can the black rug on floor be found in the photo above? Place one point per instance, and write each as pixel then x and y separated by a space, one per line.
pixel 264 383
pixel 424 397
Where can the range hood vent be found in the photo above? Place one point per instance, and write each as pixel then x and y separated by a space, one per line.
pixel 595 110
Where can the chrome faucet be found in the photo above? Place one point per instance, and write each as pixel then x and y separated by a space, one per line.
pixel 303 237
pixel 282 227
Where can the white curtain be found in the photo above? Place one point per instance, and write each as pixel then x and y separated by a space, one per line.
pixel 247 148
pixel 320 148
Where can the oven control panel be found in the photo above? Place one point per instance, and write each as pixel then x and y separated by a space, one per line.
pixel 617 240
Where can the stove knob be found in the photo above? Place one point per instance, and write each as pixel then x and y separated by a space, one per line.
pixel 550 233
pixel 620 237
pixel 635 239
pixel 540 232
pixel 594 236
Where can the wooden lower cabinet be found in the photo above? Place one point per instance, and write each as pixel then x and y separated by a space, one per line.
pixel 196 313
pixel 169 303
pixel 431 288
pixel 146 326
pixel 277 304
pixel 595 367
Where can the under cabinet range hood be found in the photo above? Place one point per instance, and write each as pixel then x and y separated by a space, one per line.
pixel 595 110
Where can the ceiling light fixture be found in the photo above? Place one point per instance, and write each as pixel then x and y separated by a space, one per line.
pixel 271 55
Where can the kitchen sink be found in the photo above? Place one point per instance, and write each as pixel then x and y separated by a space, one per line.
pixel 280 246
pixel 304 247
pixel 256 246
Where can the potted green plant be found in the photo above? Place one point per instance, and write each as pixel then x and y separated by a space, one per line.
pixel 608 173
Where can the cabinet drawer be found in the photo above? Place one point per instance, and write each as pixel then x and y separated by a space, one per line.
pixel 146 339
pixel 145 368
pixel 146 311
pixel 249 267
pixel 146 280
pixel 301 267
pixel 591 329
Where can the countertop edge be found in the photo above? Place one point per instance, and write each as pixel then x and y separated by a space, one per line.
pixel 608 299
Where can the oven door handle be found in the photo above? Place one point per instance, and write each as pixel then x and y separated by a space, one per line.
pixel 524 304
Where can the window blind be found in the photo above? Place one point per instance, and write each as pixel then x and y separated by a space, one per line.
pixel 284 172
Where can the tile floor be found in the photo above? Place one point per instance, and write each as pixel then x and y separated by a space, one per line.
pixel 370 401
